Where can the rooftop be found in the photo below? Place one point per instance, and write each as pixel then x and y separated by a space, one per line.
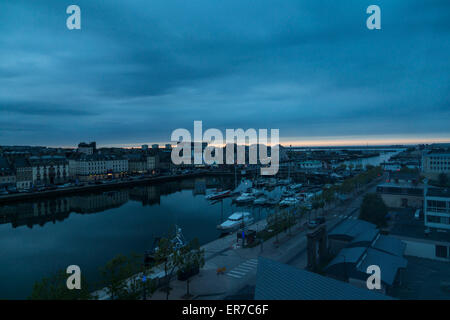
pixel 352 228
pixel 389 264
pixel 390 245
pixel 400 185
pixel 353 263
pixel 405 225
pixel 277 281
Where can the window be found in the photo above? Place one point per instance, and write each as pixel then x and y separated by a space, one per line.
pixel 441 251
pixel 434 219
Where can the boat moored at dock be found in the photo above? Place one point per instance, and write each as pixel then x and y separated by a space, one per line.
pixel 218 195
pixel 245 198
pixel 235 221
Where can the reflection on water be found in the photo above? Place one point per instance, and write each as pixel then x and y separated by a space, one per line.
pixel 42 236
pixel 373 161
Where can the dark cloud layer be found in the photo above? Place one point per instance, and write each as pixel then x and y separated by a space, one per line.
pixel 139 69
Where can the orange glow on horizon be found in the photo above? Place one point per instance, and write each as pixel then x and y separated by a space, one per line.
pixel 311 142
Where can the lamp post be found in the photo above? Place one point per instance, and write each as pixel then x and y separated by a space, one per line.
pixel 345 266
pixel 144 281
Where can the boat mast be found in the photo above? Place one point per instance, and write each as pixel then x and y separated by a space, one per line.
pixel 235 177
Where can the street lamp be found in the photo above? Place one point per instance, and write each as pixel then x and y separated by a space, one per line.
pixel 345 265
pixel 144 280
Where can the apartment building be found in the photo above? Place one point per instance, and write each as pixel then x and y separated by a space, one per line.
pixel 24 173
pixel 49 169
pixel 434 163
pixel 7 175
pixel 97 166
pixel 437 208
pixel 87 148
pixel 137 163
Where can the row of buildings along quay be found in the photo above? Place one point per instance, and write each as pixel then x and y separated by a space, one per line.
pixel 30 168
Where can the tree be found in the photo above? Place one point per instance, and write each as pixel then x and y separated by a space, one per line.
pixel 316 204
pixel 191 258
pixel 373 209
pixel 347 186
pixel 55 288
pixel 303 211
pixel 274 223
pixel 329 196
pixel 167 255
pixel 321 205
pixel 119 277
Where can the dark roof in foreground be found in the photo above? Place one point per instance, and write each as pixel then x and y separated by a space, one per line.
pixel 277 281
pixel 350 229
pixel 390 245
pixel 388 263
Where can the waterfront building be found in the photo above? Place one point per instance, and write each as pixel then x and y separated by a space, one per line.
pixel 7 175
pixel 98 166
pixel 87 148
pixel 152 162
pixel 137 163
pixel 49 169
pixel 435 162
pixel 437 208
pixel 24 173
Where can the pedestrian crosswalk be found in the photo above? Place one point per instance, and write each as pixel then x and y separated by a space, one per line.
pixel 244 268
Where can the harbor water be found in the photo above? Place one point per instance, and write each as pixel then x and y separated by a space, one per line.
pixel 40 237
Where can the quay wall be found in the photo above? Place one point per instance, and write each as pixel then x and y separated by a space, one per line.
pixel 106 186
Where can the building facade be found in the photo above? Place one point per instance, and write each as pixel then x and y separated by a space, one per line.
pixel 137 163
pixel 98 167
pixel 24 173
pixel 401 195
pixel 437 208
pixel 434 163
pixel 152 162
pixel 87 148
pixel 7 175
pixel 49 169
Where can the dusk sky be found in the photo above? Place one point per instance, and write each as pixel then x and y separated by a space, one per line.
pixel 139 69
